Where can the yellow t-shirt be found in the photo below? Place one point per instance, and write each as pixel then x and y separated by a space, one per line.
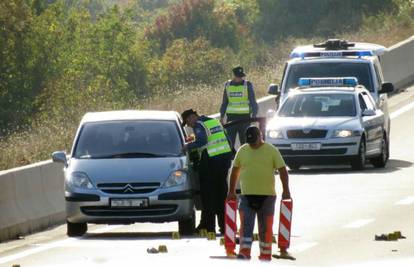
pixel 257 169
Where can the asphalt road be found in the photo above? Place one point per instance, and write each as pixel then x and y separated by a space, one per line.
pixel 337 213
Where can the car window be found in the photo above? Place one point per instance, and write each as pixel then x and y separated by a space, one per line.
pixel 362 103
pixel 377 73
pixel 319 105
pixel 368 101
pixel 330 69
pixel 101 139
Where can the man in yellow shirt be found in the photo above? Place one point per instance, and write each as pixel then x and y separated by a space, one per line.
pixel 255 164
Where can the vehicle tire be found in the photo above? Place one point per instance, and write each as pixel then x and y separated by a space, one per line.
pixel 187 226
pixel 381 160
pixel 76 229
pixel 359 162
pixel 294 166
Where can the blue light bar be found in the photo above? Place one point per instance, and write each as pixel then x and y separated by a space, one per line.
pixel 333 82
pixel 346 53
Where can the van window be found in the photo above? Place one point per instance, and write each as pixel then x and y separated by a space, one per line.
pixel 330 69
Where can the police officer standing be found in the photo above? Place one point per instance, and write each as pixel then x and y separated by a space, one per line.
pixel 239 103
pixel 216 153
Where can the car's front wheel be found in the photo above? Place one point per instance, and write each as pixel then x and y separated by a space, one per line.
pixel 381 160
pixel 76 229
pixel 187 226
pixel 359 162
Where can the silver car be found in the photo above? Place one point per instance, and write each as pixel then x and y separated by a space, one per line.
pixel 330 121
pixel 126 167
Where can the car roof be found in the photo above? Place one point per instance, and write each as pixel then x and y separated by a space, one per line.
pixel 331 59
pixel 130 115
pixel 359 46
pixel 325 90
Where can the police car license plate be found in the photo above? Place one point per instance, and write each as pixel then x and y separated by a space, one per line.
pixel 306 146
pixel 129 202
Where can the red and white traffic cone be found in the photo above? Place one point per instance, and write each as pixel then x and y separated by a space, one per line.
pixel 230 221
pixel 285 222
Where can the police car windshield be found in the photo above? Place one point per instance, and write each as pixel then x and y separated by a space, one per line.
pixel 330 69
pixel 128 139
pixel 319 105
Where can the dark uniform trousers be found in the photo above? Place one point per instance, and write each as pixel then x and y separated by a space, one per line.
pixel 238 128
pixel 213 187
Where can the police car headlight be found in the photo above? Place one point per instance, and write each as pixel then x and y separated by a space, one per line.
pixel 79 180
pixel 343 133
pixel 274 134
pixel 176 178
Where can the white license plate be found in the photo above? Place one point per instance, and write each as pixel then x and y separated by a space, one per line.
pixel 126 202
pixel 306 146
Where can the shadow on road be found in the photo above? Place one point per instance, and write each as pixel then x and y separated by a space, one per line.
pixel 133 236
pixel 393 165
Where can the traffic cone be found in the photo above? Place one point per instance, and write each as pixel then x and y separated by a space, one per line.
pixel 230 228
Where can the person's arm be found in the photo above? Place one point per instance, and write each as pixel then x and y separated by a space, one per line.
pixel 200 138
pixel 224 103
pixel 234 177
pixel 284 178
pixel 252 100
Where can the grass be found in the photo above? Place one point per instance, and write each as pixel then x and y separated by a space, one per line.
pixel 48 135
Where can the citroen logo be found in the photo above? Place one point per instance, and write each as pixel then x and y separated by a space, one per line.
pixel 306 131
pixel 128 189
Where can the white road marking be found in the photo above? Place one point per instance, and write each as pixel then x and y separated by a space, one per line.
pixel 402 110
pixel 358 223
pixel 302 247
pixel 405 201
pixel 44 247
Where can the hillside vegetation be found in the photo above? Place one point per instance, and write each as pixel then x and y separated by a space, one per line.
pixel 62 58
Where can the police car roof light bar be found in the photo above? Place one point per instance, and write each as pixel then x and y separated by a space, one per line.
pixel 335 44
pixel 361 53
pixel 328 82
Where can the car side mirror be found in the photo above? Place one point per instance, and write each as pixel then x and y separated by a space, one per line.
pixel 60 156
pixel 386 87
pixel 273 89
pixel 270 113
pixel 368 112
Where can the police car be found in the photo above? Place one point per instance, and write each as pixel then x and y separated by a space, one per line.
pixel 338 58
pixel 329 121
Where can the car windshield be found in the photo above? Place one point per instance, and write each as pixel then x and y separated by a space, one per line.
pixel 128 139
pixel 330 69
pixel 319 105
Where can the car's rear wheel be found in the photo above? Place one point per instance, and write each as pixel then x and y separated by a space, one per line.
pixel 187 226
pixel 76 229
pixel 294 166
pixel 381 160
pixel 359 162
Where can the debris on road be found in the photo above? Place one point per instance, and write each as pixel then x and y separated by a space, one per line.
pixel 161 249
pixel 390 236
pixel 175 235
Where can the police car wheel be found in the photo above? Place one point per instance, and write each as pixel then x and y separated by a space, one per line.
pixel 381 160
pixel 76 229
pixel 187 226
pixel 359 162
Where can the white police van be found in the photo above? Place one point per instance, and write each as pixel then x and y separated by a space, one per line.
pixel 338 58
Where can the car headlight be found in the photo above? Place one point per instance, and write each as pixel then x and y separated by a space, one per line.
pixel 275 134
pixel 79 180
pixel 176 178
pixel 343 133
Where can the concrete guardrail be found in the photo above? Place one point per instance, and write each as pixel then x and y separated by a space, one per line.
pixel 32 197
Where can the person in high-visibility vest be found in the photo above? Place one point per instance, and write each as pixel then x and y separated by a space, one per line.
pixel 255 163
pixel 216 154
pixel 239 102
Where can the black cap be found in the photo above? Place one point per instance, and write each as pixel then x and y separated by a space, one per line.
pixel 252 134
pixel 238 72
pixel 186 114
